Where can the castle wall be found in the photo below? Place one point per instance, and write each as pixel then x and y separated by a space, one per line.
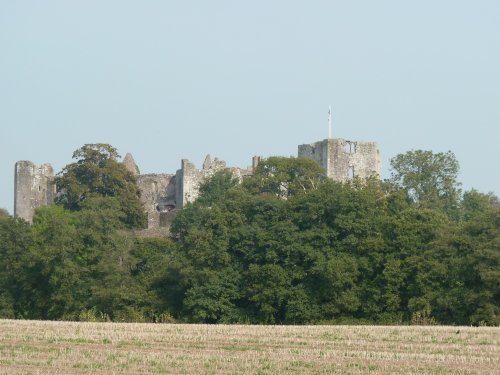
pixel 316 151
pixel 164 194
pixel 161 194
pixel 158 195
pixel 191 178
pixel 33 187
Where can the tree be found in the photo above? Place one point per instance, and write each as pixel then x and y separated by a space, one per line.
pixel 476 204
pixel 213 299
pixel 285 177
pixel 481 274
pixel 268 288
pixel 15 290
pixel 215 188
pixel 58 265
pixel 95 174
pixel 429 179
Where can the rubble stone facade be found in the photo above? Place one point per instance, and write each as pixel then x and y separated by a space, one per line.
pixel 33 188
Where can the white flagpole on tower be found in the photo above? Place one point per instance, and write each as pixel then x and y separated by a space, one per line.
pixel 329 122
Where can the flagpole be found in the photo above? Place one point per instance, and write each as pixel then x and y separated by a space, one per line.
pixel 329 122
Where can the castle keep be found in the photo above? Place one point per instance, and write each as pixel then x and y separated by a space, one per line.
pixel 163 194
pixel 343 159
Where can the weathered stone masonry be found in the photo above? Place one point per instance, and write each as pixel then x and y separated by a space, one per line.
pixel 164 194
pixel 33 188
pixel 343 159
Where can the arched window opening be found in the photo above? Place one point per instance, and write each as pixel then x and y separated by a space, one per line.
pixel 350 147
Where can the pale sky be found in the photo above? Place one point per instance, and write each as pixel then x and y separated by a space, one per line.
pixel 167 80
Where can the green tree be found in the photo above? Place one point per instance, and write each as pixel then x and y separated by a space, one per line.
pixel 476 204
pixel 212 297
pixel 97 173
pixel 285 177
pixel 57 265
pixel 268 288
pixel 480 247
pixel 15 290
pixel 207 276
pixel 430 179
pixel 419 238
pixel 154 258
pixel 215 188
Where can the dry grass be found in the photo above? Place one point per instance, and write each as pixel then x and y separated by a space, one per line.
pixel 33 347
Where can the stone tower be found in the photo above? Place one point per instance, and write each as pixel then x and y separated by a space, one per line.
pixel 33 187
pixel 130 165
pixel 343 159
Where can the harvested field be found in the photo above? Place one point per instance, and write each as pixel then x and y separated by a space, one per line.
pixel 35 347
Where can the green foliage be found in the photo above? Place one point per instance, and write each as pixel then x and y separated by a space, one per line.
pixel 286 247
pixel 79 260
pixel 95 175
pixel 285 177
pixel 482 268
pixel 15 240
pixel 57 262
pixel 429 179
pixel 268 288
pixel 475 204
pixel 335 251
pixel 211 300
pixel 423 318
pixel 214 189
pixel 92 315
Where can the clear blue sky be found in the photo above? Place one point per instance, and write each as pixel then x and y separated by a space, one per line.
pixel 167 80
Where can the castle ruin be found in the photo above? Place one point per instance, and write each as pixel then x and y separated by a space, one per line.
pixel 164 194
pixel 33 187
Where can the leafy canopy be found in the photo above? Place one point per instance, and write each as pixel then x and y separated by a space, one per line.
pixel 97 174
pixel 430 179
pixel 285 177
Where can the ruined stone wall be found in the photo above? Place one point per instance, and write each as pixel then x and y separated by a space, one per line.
pixel 343 159
pixel 33 187
pixel 164 194
pixel 161 194
pixel 158 196
pixel 364 159
pixel 316 151
pixel 191 178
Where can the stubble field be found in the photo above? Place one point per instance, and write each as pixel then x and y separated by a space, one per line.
pixel 34 347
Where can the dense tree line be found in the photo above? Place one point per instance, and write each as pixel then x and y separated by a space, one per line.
pixel 287 246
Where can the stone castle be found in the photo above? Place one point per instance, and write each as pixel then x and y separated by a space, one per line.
pixel 164 194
